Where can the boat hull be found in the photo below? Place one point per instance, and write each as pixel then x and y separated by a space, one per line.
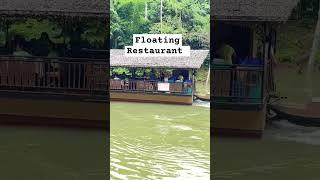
pixel 301 116
pixel 238 123
pixel 151 98
pixel 53 113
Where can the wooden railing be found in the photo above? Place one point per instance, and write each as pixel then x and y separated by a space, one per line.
pixel 65 76
pixel 150 86
pixel 237 84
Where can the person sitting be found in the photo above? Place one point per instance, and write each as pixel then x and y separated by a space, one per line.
pixel 180 78
pixel 153 75
pixel 227 53
pixel 42 45
pixel 19 51
pixel 144 75
pixel 112 76
pixel 162 76
pixel 116 78
pixel 123 76
pixel 173 78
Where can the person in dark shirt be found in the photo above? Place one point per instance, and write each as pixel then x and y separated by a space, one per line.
pixel 43 45
pixel 123 75
pixel 153 75
pixel 161 76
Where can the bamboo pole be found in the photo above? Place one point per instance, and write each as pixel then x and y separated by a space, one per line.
pixel 161 15
pixel 146 9
pixel 207 81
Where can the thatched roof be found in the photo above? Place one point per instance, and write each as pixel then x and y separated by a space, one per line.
pixel 118 59
pixel 79 8
pixel 252 10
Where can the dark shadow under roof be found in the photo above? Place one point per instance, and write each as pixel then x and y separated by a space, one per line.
pixel 196 59
pixel 252 10
pixel 80 8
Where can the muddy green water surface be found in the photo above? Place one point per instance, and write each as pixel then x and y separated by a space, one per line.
pixel 154 141
pixel 29 153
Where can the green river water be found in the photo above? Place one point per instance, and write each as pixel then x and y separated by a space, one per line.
pixel 30 153
pixel 152 141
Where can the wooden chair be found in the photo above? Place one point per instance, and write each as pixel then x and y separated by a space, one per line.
pixel 115 84
pixel 4 73
pixel 221 83
pixel 176 87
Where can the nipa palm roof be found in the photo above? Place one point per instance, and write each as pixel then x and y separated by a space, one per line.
pixel 79 8
pixel 252 10
pixel 194 61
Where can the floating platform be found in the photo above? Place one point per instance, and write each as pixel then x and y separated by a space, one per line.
pixel 151 98
pixel 237 123
pixel 59 113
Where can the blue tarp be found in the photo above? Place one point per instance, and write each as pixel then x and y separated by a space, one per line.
pixel 250 61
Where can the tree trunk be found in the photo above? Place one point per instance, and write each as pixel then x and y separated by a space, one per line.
pixel 161 15
pixel 208 80
pixel 315 47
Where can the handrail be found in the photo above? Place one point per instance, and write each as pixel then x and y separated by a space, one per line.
pixel 183 88
pixel 238 84
pixel 238 67
pixel 52 77
pixel 41 58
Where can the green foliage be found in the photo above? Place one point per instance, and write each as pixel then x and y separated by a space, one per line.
pixel 32 29
pixel 308 8
pixel 191 18
pixel 295 40
pixel 127 18
pixel 119 70
pixel 94 33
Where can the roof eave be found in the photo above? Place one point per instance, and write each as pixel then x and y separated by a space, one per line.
pixel 250 18
pixel 159 67
pixel 24 13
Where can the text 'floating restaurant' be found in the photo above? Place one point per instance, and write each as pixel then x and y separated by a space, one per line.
pixel 154 79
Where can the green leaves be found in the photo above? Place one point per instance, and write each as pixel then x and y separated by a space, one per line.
pixel 188 17
pixel 32 29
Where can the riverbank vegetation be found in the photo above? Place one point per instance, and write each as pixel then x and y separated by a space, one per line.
pixel 295 39
pixel 191 18
pixel 41 37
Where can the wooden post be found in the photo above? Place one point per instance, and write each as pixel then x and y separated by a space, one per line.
pixel 265 60
pixel 193 83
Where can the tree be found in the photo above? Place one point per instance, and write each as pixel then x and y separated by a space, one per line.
pixel 315 47
pixel 191 18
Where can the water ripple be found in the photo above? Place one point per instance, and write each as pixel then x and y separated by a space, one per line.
pixel 157 162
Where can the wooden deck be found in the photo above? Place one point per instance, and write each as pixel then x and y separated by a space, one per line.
pixel 238 123
pixel 151 98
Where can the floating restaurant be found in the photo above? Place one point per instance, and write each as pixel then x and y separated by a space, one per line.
pixel 241 89
pixel 68 89
pixel 155 79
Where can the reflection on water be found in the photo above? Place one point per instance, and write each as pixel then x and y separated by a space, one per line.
pixel 52 153
pixel 152 141
pixel 201 103
pixel 286 151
